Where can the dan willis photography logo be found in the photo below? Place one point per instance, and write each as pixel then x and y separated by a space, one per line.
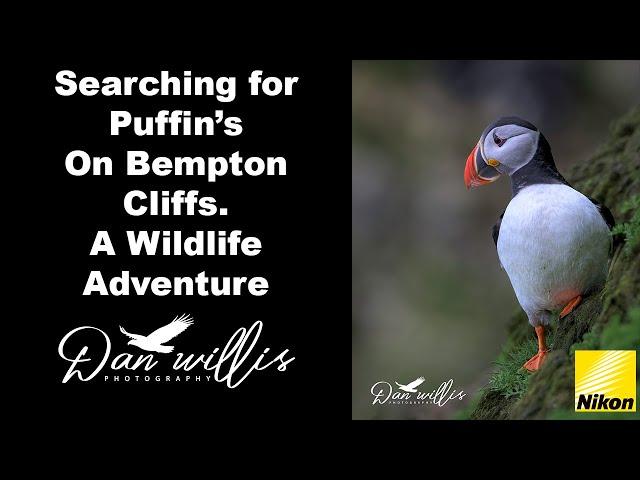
pixel 230 365
pixel 408 394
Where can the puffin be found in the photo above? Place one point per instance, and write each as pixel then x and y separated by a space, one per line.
pixel 553 241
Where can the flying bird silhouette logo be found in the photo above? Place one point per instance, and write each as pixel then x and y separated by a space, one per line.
pixel 154 341
pixel 411 387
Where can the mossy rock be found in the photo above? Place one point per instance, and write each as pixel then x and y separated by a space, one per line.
pixel 607 320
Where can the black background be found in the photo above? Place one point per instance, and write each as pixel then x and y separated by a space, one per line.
pixel 301 220
pixel 54 217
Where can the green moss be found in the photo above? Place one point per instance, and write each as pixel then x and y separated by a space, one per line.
pixel 492 405
pixel 465 413
pixel 616 335
pixel 509 378
pixel 549 389
pixel 630 230
pixel 607 320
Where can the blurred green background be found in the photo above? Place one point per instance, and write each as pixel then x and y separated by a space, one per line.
pixel 428 295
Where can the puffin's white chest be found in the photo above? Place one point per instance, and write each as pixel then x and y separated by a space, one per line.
pixel 554 245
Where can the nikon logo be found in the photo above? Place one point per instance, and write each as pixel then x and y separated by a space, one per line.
pixel 605 381
pixel 600 402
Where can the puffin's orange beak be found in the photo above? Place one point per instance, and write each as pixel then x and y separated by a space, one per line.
pixel 472 178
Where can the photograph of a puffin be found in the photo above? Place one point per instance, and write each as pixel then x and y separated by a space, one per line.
pixel 553 242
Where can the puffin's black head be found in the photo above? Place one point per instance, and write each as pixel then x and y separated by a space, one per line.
pixel 505 146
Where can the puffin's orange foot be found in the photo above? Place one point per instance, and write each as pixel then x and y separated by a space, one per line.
pixel 535 362
pixel 571 306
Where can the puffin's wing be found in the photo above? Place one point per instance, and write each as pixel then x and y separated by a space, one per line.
pixel 495 230
pixel 607 216
pixel 605 212
pixel 495 233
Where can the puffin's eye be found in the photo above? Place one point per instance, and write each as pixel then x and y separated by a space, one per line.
pixel 498 141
